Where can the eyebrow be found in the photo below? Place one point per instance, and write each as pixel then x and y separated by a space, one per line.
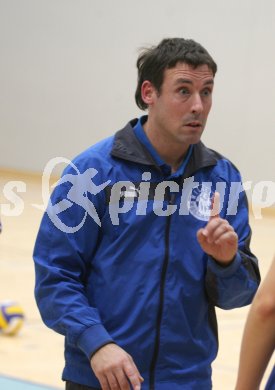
pixel 187 81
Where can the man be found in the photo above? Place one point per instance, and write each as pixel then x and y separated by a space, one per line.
pixel 130 270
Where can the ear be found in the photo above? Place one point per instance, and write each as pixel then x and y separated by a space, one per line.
pixel 148 92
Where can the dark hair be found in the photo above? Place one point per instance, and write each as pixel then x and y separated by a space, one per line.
pixel 153 61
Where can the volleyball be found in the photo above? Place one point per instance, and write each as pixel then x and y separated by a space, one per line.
pixel 11 318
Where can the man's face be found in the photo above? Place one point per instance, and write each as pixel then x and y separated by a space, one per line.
pixel 179 111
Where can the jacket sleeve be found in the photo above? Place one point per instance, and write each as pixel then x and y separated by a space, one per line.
pixel 66 241
pixel 235 285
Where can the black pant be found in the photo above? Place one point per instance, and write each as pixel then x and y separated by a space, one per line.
pixel 76 386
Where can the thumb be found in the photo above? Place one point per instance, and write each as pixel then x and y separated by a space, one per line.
pixel 201 236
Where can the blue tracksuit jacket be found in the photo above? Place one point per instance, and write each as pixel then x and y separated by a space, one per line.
pixel 117 259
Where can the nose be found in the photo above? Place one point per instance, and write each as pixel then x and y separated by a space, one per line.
pixel 196 104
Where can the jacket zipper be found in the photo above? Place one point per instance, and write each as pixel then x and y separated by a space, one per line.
pixel 161 298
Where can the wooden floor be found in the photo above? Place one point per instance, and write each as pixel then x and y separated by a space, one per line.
pixel 36 353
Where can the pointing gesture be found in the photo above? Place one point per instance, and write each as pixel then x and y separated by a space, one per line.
pixel 218 238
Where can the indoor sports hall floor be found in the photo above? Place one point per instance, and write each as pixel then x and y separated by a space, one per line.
pixel 33 360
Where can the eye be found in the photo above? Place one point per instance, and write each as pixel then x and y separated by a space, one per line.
pixel 184 91
pixel 206 92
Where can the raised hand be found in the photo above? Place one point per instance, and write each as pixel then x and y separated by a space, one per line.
pixel 218 238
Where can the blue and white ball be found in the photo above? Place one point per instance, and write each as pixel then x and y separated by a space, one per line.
pixel 11 317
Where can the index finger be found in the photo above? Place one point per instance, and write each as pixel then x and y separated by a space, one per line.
pixel 215 206
pixel 133 375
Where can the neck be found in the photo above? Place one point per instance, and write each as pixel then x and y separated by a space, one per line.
pixel 172 153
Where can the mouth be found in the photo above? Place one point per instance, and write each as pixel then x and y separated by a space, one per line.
pixel 194 124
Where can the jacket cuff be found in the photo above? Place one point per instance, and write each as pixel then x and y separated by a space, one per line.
pixel 93 339
pixel 224 272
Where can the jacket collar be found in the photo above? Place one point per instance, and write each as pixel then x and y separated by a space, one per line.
pixel 126 146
